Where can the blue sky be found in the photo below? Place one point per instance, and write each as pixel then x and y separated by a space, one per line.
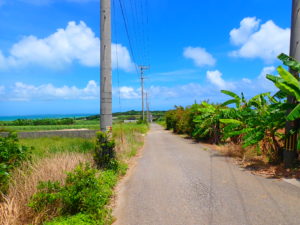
pixel 49 52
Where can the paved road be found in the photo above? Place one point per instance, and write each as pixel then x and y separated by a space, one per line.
pixel 177 182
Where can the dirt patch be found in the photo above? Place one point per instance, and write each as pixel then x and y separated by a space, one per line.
pixel 258 165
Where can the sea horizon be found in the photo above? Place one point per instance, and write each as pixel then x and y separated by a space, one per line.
pixel 44 116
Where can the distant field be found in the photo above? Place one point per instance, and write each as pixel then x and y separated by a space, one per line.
pixel 79 124
pixel 88 122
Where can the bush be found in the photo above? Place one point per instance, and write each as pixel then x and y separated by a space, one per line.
pixel 141 121
pixel 78 219
pixel 85 191
pixel 105 154
pixel 11 156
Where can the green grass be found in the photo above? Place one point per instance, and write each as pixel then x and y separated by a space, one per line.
pixel 43 147
pixel 162 123
pixel 78 219
pixel 129 133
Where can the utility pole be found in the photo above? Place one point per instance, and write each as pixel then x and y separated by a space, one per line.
pixel 147 105
pixel 142 68
pixel 105 63
pixel 290 151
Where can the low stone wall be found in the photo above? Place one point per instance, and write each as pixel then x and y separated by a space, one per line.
pixel 57 133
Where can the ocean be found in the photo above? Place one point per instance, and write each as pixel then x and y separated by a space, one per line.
pixel 11 118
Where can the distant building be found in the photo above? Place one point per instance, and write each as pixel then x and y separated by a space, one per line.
pixel 130 121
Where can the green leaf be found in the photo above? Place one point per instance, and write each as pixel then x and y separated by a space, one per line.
pixel 230 94
pixel 284 86
pixel 289 61
pixel 231 101
pixel 280 94
pixel 295 113
pixel 288 77
pixel 230 121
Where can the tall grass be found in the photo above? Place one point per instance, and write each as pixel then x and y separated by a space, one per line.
pixel 129 138
pixel 14 210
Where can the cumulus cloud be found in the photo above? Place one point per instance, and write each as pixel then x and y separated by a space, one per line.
pixel 264 41
pixel 200 56
pixel 121 58
pixel 129 92
pixel 215 77
pixel 247 27
pixel 26 92
pixel 266 70
pixel 75 43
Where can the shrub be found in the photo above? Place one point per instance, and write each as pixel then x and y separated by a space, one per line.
pixel 48 196
pixel 11 155
pixel 104 154
pixel 78 219
pixel 85 191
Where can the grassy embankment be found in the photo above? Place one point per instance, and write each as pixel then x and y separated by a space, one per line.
pixel 51 158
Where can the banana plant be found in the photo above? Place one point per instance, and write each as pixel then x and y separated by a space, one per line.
pixel 288 84
pixel 208 122
pixel 237 100
pixel 258 125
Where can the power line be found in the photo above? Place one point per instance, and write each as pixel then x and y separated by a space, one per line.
pixel 128 36
pixel 117 57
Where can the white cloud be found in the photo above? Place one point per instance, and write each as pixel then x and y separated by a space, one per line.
pixel 129 92
pixel 215 77
pixel 26 92
pixel 199 55
pixel 263 82
pixel 75 43
pixel 247 27
pixel 2 90
pixel 121 58
pixel 266 70
pixel 246 80
pixel 265 41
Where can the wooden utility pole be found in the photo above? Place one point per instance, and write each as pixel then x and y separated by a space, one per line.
pixel 290 151
pixel 105 63
pixel 142 68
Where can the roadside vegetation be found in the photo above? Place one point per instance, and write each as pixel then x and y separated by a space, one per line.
pixel 64 180
pixel 256 127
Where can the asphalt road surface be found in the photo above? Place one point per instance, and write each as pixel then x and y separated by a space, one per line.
pixel 177 181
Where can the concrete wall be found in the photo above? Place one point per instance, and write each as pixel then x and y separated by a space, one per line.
pixel 39 134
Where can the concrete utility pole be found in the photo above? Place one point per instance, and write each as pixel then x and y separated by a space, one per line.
pixel 142 68
pixel 147 105
pixel 290 152
pixel 105 63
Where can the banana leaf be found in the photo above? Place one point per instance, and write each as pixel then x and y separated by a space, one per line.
pixel 289 61
pixel 294 114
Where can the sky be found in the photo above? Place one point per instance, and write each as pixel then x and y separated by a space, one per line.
pixel 50 52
